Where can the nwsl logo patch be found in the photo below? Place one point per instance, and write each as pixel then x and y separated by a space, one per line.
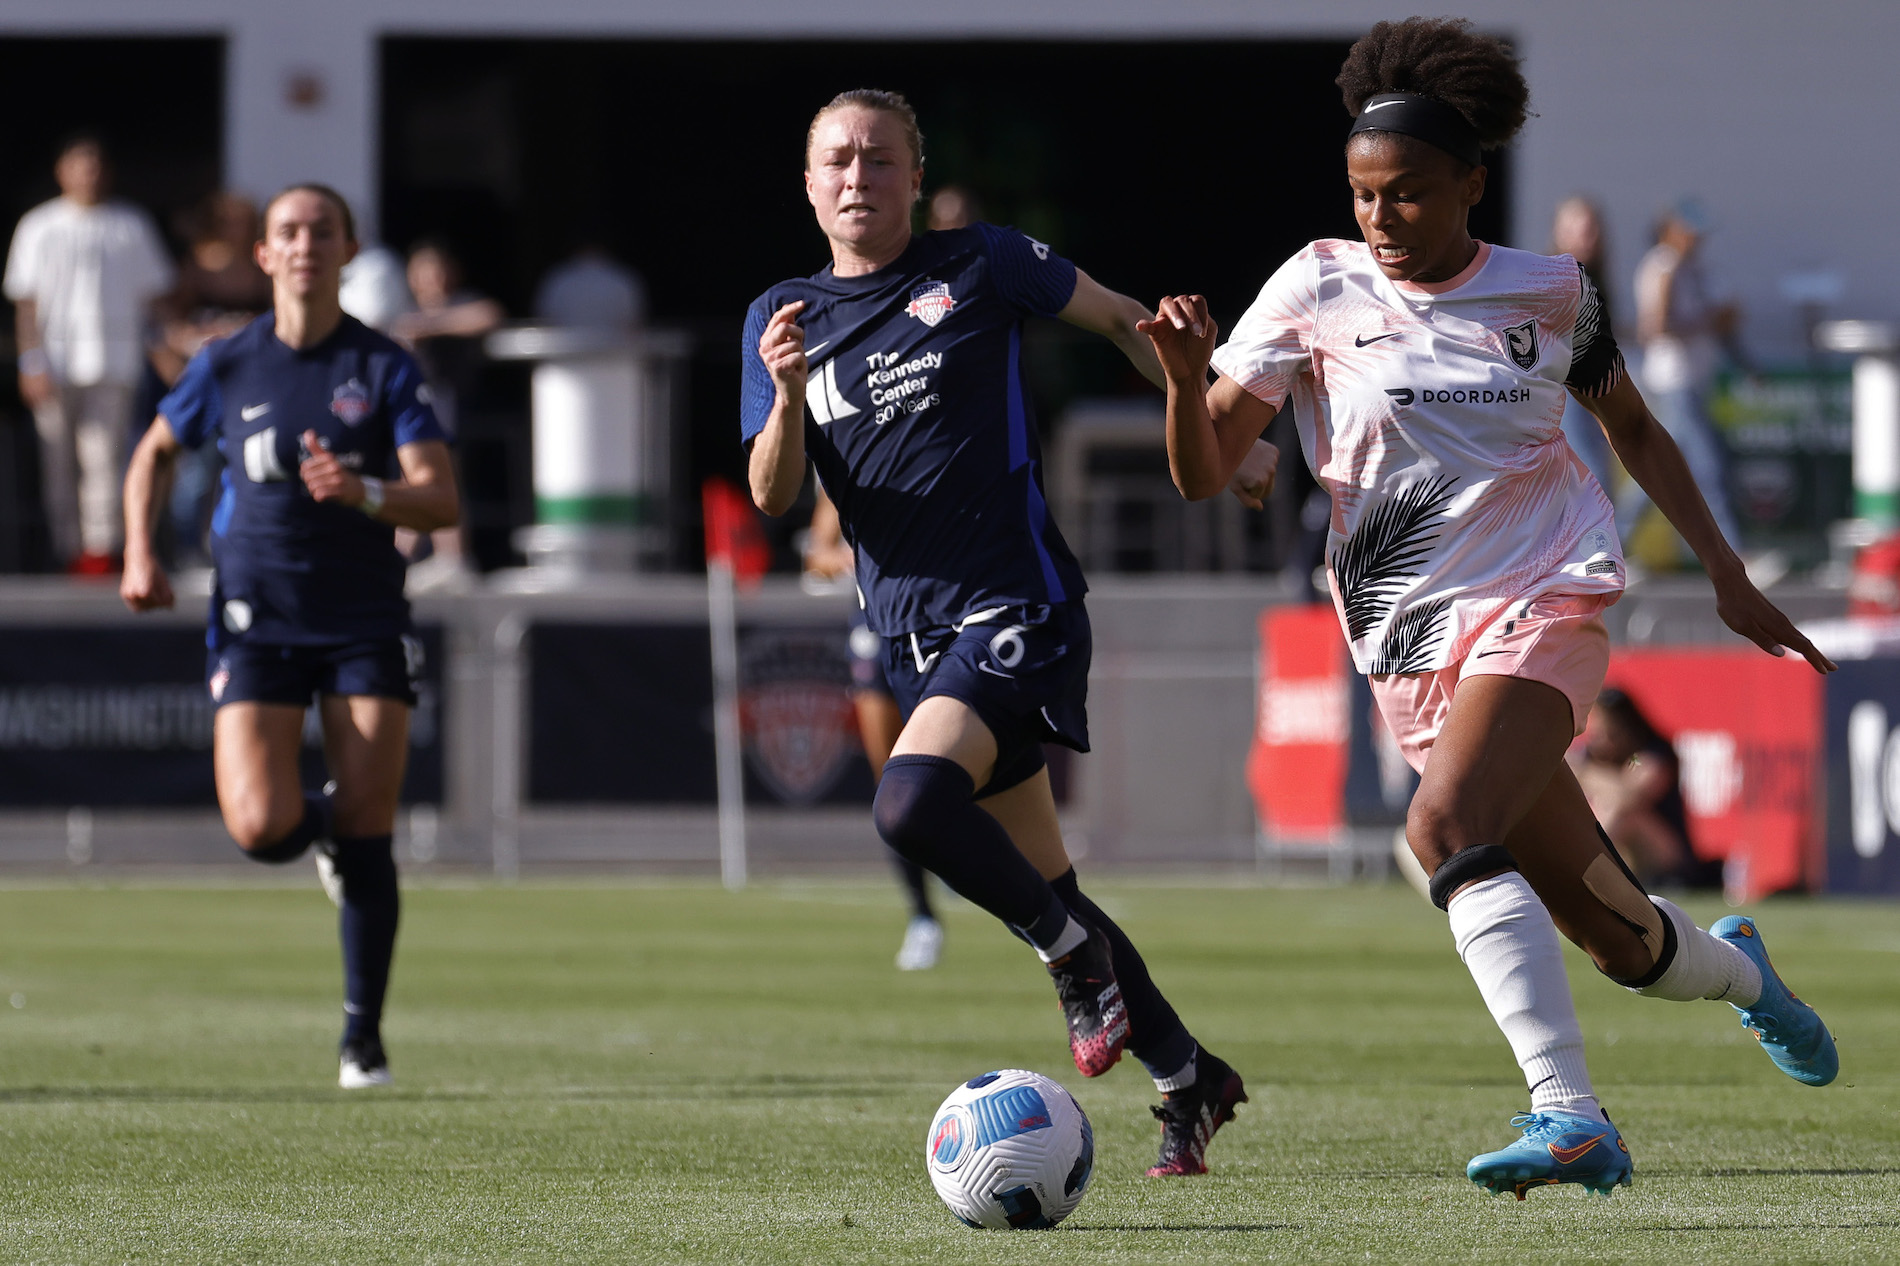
pixel 350 402
pixel 930 302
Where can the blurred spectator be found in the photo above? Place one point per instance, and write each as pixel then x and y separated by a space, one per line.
pixel 83 272
pixel 1682 329
pixel 445 330
pixel 220 290
pixel 375 288
pixel 1633 780
pixel 1577 231
pixel 952 207
pixel 592 290
pixel 446 327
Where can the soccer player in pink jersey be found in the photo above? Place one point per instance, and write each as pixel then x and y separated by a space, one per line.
pixel 1471 556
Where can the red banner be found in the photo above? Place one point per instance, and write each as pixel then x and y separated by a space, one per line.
pixel 1297 765
pixel 1747 729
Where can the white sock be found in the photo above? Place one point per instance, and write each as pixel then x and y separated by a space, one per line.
pixel 1072 935
pixel 1182 1077
pixel 1510 946
pixel 1704 967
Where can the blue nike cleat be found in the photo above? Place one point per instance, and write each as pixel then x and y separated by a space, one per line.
pixel 1786 1027
pixel 1556 1147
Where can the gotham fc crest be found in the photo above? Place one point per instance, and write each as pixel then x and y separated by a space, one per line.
pixel 1522 342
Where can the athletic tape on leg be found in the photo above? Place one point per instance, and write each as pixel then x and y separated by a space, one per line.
pixel 1462 867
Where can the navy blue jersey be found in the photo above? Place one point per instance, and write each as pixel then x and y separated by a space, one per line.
pixel 292 571
pixel 919 423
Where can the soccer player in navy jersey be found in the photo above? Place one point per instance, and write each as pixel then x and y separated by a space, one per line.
pixel 329 445
pixel 896 370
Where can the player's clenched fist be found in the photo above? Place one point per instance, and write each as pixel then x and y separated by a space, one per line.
pixel 1183 335
pixel 326 477
pixel 782 348
pixel 144 586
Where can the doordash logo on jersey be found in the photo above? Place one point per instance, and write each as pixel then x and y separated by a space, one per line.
pixel 1403 396
pixel 930 302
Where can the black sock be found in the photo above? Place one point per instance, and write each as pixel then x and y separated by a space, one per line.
pixel 371 903
pixel 313 826
pixel 916 885
pixel 926 811
pixel 1156 1035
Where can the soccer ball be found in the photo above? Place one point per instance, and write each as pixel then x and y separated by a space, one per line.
pixel 1010 1149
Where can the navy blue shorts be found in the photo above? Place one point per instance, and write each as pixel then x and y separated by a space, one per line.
pixel 867 658
pixel 246 672
pixel 1024 671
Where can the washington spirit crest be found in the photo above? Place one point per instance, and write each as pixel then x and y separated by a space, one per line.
pixel 350 402
pixel 930 302
pixel 795 711
pixel 1522 342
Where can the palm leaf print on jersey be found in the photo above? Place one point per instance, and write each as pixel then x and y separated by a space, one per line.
pixel 1413 639
pixel 1385 551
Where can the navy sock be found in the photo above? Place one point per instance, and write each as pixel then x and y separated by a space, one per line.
pixel 916 885
pixel 371 904
pixel 926 810
pixel 1156 1035
pixel 313 826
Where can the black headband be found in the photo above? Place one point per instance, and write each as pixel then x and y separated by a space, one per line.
pixel 1430 121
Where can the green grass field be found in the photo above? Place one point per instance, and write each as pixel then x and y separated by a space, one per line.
pixel 669 1073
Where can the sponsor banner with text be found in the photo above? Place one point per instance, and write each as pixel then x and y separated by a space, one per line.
pixel 1863 777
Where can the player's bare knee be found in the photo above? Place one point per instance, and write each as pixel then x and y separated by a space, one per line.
pixel 1435 833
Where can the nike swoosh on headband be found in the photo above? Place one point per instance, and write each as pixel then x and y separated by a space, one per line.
pixel 1378 105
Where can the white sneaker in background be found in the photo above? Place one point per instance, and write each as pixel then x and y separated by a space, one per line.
pixel 923 944
pixel 325 853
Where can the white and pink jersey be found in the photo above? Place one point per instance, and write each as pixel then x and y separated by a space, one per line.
pixel 1433 415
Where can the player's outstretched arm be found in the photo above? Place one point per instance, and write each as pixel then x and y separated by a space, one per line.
pixel 148 484
pixel 1654 462
pixel 1117 318
pixel 424 499
pixel 1211 430
pixel 776 469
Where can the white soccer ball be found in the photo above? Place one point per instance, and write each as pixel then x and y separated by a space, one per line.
pixel 1010 1150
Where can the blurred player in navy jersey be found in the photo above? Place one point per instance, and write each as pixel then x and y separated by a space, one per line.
pixel 828 559
pixel 329 445
pixel 896 369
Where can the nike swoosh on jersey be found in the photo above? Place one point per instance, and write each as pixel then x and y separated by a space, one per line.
pixel 1564 1155
pixel 1360 340
pixel 251 412
pixel 813 351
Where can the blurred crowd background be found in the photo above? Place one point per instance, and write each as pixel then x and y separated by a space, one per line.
pixel 654 181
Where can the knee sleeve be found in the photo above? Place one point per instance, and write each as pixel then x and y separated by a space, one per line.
pixel 1462 867
pixel 313 826
pixel 915 796
pixel 926 811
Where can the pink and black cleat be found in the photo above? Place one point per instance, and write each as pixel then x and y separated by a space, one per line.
pixel 1190 1116
pixel 1092 1005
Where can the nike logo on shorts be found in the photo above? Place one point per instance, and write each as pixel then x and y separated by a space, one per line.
pixel 251 412
pixel 1362 341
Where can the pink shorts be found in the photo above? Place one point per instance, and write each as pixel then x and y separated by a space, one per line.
pixel 1558 639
